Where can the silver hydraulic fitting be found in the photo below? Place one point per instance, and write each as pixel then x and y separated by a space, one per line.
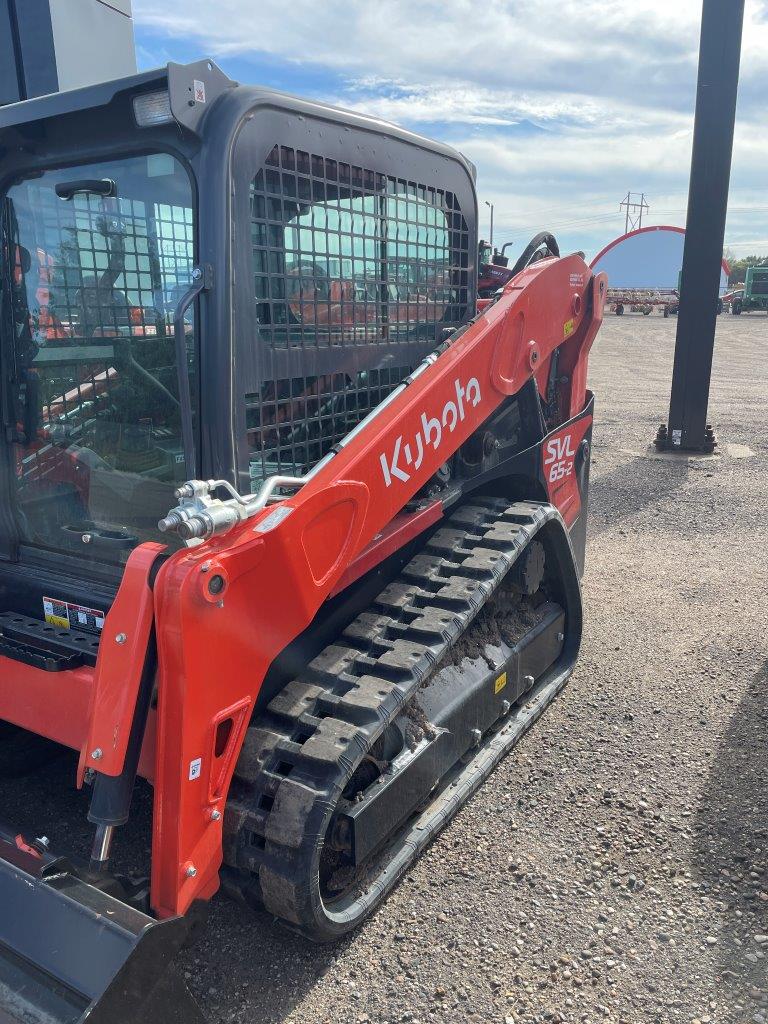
pixel 199 515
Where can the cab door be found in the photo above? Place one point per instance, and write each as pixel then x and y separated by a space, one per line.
pixel 96 258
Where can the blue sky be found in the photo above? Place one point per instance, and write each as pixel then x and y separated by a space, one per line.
pixel 562 106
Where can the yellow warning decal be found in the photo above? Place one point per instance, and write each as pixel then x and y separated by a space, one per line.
pixel 67 615
pixel 568 328
pixel 500 683
pixel 56 613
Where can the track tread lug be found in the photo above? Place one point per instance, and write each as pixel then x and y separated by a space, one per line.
pixel 256 752
pixel 366 629
pixel 451 543
pixel 332 662
pixel 395 598
pixel 296 698
pixel 424 567
pixel 373 700
pixel 286 826
pixel 406 662
pixel 434 626
pixel 331 742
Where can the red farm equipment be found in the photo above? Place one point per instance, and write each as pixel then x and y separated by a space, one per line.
pixel 494 271
pixel 287 527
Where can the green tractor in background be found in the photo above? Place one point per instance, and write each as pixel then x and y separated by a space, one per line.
pixel 754 295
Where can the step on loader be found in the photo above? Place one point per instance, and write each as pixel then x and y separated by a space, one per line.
pixel 288 529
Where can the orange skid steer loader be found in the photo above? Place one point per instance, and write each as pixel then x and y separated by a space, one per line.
pixel 286 528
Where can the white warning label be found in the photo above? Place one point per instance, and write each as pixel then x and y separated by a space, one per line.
pixel 67 615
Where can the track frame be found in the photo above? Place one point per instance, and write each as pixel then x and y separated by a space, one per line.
pixel 303 751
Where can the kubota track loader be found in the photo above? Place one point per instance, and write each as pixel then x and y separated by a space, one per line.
pixel 286 528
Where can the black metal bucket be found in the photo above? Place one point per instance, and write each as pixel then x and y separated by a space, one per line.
pixel 71 953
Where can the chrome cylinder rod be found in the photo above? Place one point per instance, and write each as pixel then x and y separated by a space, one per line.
pixel 102 847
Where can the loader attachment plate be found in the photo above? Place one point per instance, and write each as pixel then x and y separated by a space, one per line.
pixel 71 953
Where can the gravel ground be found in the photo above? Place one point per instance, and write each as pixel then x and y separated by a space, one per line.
pixel 614 867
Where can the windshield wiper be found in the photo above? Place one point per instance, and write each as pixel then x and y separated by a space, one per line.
pixel 94 186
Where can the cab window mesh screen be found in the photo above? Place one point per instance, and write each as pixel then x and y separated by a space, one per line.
pixel 88 304
pixel 351 260
pixel 109 275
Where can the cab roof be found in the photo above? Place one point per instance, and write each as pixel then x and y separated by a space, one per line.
pixel 181 81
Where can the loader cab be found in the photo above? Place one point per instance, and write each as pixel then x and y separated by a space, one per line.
pixel 200 279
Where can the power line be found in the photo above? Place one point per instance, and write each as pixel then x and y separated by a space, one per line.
pixel 600 199
pixel 583 222
pixel 760 243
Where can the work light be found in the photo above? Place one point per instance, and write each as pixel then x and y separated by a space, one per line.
pixel 152 108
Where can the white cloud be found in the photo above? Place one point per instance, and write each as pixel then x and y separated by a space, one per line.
pixel 572 183
pixel 474 104
pixel 609 84
pixel 621 48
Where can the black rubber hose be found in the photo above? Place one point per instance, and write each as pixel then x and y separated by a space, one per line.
pixel 544 240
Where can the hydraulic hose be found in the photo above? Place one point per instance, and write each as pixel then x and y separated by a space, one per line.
pixel 529 255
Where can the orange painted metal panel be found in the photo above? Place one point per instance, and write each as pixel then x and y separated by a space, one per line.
pixel 52 704
pixel 119 666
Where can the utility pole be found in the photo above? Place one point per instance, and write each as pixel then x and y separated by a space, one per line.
pixel 490 241
pixel 636 207
pixel 721 34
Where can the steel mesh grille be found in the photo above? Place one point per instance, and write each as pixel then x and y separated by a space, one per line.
pixel 104 279
pixel 352 260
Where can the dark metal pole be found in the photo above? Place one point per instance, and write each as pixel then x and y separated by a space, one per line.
pixel 720 54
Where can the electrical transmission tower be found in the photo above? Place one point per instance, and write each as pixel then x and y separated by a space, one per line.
pixel 636 206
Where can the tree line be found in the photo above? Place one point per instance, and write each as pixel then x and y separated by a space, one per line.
pixel 739 267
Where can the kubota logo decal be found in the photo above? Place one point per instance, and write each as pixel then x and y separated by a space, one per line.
pixel 411 454
pixel 560 454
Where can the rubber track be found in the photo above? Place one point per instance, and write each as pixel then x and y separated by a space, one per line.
pixel 300 754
